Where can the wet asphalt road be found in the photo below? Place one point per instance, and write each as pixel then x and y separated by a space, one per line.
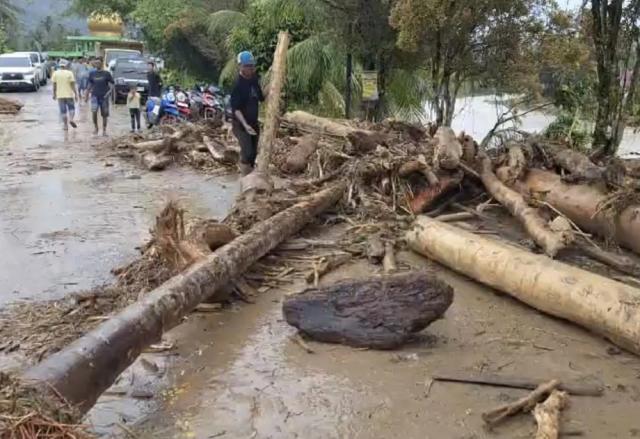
pixel 68 214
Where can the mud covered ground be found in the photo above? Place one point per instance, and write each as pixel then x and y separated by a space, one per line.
pixel 239 374
pixel 71 214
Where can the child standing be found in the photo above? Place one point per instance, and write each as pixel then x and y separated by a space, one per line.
pixel 133 104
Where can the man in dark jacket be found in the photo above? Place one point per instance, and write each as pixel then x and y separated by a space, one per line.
pixel 245 103
pixel 155 81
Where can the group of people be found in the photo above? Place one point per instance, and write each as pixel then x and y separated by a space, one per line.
pixel 81 79
pixel 246 97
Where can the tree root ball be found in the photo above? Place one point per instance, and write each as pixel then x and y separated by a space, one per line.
pixel 378 313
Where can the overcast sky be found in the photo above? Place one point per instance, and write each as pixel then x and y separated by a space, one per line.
pixel 570 4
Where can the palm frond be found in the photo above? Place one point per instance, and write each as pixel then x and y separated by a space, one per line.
pixel 331 100
pixel 8 12
pixel 228 74
pixel 221 23
pixel 408 90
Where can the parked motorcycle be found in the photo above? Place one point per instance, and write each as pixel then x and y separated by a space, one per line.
pixel 183 106
pixel 213 101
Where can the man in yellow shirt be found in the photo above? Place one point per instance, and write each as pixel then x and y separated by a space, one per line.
pixel 64 91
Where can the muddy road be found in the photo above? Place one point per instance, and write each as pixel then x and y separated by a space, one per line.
pixel 69 215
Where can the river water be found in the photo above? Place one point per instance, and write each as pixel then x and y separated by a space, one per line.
pixel 477 115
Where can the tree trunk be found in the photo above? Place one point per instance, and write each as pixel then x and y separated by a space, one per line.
pixel 220 152
pixel 448 150
pixel 547 415
pixel 597 303
pixel 298 157
pixel 607 18
pixel 579 166
pixel 515 167
pixel 431 195
pixel 378 313
pixel 271 120
pixel 86 368
pixel 347 97
pixel 310 123
pixel 580 203
pixel 551 242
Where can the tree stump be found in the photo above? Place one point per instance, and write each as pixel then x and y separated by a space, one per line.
pixel 377 313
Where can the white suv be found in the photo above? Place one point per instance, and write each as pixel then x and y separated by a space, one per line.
pixel 22 69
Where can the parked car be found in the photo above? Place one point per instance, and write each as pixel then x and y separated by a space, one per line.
pixel 18 70
pixel 128 72
pixel 39 62
pixel 111 56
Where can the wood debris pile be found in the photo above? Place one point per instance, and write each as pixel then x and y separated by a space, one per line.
pixel 8 106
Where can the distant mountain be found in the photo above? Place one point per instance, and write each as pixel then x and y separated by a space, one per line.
pixel 33 11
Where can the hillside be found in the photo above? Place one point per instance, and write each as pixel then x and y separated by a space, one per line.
pixel 34 11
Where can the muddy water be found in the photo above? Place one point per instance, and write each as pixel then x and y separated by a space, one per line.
pixel 69 216
pixel 240 375
pixel 477 115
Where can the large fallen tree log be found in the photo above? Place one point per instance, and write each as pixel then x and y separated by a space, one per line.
pixel 298 160
pixel 578 165
pixel 581 203
pixel 86 368
pixel 550 241
pixel 599 304
pixel 363 141
pixel 447 149
pixel 378 313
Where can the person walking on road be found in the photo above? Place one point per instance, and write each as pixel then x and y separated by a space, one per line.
pixel 100 88
pixel 245 103
pixel 82 78
pixel 155 81
pixel 64 91
pixel 133 104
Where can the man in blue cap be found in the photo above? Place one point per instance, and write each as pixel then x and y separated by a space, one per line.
pixel 245 103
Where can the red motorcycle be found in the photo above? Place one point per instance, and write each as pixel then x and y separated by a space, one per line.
pixel 184 108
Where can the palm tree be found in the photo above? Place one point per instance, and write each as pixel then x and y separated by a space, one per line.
pixel 316 70
pixel 8 12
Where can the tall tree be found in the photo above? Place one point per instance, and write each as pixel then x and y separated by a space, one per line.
pixel 616 38
pixel 8 12
pixel 463 41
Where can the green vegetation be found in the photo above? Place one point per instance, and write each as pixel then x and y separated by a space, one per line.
pixel 419 50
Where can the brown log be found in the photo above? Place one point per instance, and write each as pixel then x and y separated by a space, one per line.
pixel 310 123
pixel 421 167
pixel 621 263
pixel 597 303
pixel 551 242
pixel 325 266
pixel 580 202
pixel 363 142
pixel 578 165
pixel 155 162
pixel 425 199
pixel 82 371
pixel 378 313
pixel 375 249
pixel 271 118
pixel 469 147
pixel 547 415
pixel 219 152
pixel 155 146
pixel 515 168
pixel 299 156
pixel 448 150
pixel 524 404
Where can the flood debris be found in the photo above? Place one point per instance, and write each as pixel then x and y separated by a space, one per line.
pixel 7 106
pixel 525 404
pixel 378 313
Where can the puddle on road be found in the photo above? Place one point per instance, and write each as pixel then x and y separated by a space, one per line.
pixel 67 219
